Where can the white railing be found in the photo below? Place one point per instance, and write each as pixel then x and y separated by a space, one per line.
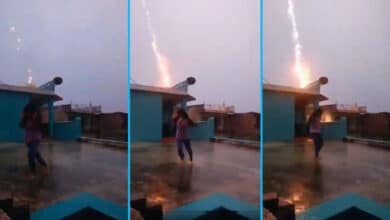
pixel 219 108
pixel 86 108
pixel 352 108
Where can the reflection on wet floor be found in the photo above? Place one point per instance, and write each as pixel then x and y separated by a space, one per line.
pixel 74 168
pixel 292 171
pixel 157 171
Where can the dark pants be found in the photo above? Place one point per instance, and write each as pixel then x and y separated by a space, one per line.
pixel 33 153
pixel 187 144
pixel 318 143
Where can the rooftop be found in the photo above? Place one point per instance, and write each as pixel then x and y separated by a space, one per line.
pixel 30 90
pixel 74 168
pixel 293 90
pixel 157 171
pixel 291 170
pixel 161 90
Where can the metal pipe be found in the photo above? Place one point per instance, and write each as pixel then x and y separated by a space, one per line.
pixel 52 84
pixel 183 86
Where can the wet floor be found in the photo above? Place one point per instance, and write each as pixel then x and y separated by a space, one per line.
pixel 292 171
pixel 74 168
pixel 157 171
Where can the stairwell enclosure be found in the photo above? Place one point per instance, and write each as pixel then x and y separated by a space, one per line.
pixel 12 101
pixel 151 114
pixel 285 114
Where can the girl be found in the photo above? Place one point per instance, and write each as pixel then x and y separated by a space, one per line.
pixel 182 137
pixel 315 131
pixel 31 122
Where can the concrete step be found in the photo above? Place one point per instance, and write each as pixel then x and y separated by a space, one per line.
pixel 281 208
pixel 154 212
pixel 20 212
pixel 271 201
pixel 138 204
pixel 148 211
pixel 6 204
pixel 285 211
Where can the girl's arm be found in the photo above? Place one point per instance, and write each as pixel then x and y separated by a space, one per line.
pixel 191 123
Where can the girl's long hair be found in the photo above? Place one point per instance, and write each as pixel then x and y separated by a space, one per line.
pixel 315 114
pixel 182 113
pixel 28 112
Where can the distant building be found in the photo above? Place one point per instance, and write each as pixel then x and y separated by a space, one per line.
pixel 203 112
pixel 375 126
pixel 94 123
pixel 92 109
pixel 244 126
pixel 360 122
pixel 352 113
pixel 227 123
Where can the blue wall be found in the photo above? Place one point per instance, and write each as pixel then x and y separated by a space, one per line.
pixel 11 108
pixel 203 131
pixel 146 116
pixel 336 130
pixel 68 130
pixel 279 116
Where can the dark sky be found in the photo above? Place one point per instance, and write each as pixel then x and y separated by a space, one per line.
pixel 215 41
pixel 85 42
pixel 348 41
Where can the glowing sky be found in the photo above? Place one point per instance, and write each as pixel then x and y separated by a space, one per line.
pixel 215 41
pixel 85 42
pixel 348 41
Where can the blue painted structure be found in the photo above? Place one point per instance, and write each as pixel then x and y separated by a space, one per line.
pixel 146 116
pixel 336 130
pixel 70 130
pixel 342 203
pixel 198 208
pixel 279 116
pixel 12 101
pixel 151 114
pixel 285 110
pixel 70 206
pixel 11 108
pixel 14 98
pixel 203 130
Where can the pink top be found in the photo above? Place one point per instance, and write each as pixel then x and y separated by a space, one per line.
pixel 32 132
pixel 182 129
pixel 315 126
